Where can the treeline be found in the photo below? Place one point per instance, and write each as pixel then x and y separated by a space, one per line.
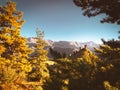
pixel 55 54
pixel 83 70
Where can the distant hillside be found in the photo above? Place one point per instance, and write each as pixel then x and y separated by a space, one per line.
pixel 67 47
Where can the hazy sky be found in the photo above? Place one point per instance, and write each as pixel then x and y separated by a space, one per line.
pixel 62 20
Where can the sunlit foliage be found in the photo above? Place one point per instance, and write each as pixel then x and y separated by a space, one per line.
pixel 13 49
pixel 109 70
pixel 39 61
pixel 109 87
pixel 83 70
pixel 77 73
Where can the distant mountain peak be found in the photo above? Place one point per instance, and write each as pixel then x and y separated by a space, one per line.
pixel 60 45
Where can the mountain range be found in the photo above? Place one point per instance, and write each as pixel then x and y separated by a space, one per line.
pixel 64 46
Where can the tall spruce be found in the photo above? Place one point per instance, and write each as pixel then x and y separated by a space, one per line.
pixel 14 52
pixel 40 72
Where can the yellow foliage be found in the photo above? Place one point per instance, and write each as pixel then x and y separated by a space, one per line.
pixel 14 63
pixel 2 49
pixel 39 62
pixel 108 86
pixel 103 69
pixel 66 81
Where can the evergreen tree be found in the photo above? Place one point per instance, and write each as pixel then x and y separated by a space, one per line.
pixel 84 65
pixel 75 73
pixel 107 53
pixel 55 54
pixel 60 73
pixel 93 8
pixel 110 50
pixel 86 54
pixel 40 72
pixel 14 51
pixel 109 69
pixel 64 55
pixel 112 43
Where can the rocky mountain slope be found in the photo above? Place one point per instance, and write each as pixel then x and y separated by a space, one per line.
pixel 64 46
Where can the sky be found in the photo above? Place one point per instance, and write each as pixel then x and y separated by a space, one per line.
pixel 63 20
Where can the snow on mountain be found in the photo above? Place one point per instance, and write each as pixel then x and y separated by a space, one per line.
pixel 91 45
pixel 64 45
pixel 75 45
pixel 49 42
pixel 31 40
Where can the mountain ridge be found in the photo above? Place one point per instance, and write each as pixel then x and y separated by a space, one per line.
pixel 64 46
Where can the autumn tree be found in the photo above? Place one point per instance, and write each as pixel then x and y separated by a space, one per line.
pixel 93 8
pixel 40 72
pixel 84 65
pixel 86 54
pixel 74 73
pixel 14 51
pixel 60 74
pixel 110 51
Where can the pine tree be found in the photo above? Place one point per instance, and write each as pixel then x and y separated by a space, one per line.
pixel 74 73
pixel 40 72
pixel 105 52
pixel 14 51
pixel 60 73
pixel 109 69
pixel 93 8
pixel 110 50
pixel 85 54
pixel 55 54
